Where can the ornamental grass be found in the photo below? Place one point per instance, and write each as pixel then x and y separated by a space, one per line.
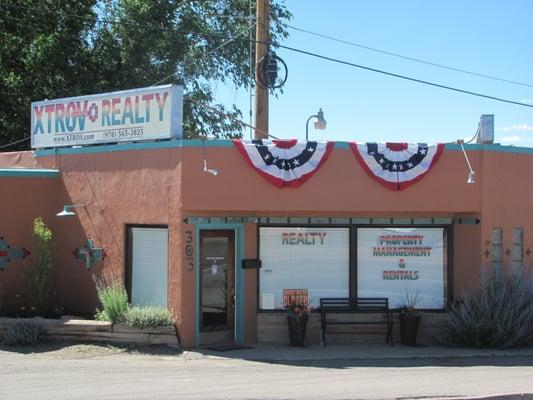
pixel 148 317
pixel 114 299
pixel 497 314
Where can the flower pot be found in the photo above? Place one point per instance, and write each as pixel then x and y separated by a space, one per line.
pixel 409 329
pixel 297 326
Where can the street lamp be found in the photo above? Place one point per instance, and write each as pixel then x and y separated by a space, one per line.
pixel 320 123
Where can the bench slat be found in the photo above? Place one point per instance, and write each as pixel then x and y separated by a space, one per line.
pixel 353 305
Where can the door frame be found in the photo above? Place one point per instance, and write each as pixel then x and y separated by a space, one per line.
pixel 239 278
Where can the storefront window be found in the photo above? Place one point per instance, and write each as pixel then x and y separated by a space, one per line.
pixel 312 259
pixel 402 263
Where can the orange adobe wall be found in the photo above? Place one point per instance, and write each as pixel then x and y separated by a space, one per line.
pixel 131 187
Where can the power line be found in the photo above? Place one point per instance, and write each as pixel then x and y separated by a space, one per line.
pixel 331 59
pixel 418 60
pixel 187 60
pixel 229 116
pixel 379 71
pixel 14 143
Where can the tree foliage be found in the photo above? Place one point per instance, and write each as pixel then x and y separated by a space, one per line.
pixel 37 275
pixel 60 48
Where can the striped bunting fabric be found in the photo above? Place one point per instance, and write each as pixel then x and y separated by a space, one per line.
pixel 397 165
pixel 284 163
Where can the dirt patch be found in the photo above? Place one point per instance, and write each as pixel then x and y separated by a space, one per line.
pixel 76 350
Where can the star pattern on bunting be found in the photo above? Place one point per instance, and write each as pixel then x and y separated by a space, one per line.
pixel 397 165
pixel 284 163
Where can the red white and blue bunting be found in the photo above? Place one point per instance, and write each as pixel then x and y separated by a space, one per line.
pixel 397 165
pixel 284 163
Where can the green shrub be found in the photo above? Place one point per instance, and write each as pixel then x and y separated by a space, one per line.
pixel 37 274
pixel 148 317
pixel 23 334
pixel 114 301
pixel 498 314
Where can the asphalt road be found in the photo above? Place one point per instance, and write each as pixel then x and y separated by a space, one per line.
pixel 90 372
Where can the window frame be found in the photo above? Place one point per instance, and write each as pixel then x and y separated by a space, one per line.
pixel 351 257
pixel 352 263
pixel 128 259
pixel 447 267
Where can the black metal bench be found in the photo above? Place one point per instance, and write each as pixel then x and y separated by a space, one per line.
pixel 352 305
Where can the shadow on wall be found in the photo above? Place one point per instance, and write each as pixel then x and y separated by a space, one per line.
pixel 120 161
pixel 76 285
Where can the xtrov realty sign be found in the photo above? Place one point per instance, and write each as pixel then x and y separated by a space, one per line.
pixel 130 115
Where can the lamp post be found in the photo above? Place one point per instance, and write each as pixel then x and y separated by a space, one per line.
pixel 320 123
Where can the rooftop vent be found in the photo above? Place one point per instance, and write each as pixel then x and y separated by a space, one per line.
pixel 486 129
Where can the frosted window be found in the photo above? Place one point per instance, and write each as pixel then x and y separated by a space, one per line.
pixel 149 266
pixel 401 262
pixel 316 259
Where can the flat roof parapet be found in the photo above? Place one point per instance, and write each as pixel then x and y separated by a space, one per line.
pixel 29 173
pixel 182 143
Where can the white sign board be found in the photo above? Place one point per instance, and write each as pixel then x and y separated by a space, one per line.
pixel 130 115
pixel 316 259
pixel 401 262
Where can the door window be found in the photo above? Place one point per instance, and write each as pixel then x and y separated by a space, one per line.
pixel 217 280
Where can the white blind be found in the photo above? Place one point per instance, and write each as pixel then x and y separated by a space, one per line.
pixel 316 259
pixel 403 264
pixel 149 266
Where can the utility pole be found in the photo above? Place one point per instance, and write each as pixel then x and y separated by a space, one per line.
pixel 261 49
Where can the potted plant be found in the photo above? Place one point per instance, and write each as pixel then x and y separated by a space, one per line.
pixel 297 317
pixel 409 320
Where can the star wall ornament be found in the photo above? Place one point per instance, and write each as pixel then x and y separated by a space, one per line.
pixel 8 253
pixel 284 163
pixel 89 254
pixel 397 165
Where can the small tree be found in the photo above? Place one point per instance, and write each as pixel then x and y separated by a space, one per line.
pixel 37 275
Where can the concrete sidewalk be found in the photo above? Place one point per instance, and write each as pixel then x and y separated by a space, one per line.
pixel 359 351
pixel 266 372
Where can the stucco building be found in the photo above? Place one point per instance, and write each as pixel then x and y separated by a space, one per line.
pixel 179 236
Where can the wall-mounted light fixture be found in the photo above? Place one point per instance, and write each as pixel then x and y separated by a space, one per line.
pixel 67 210
pixel 471 173
pixel 207 170
pixel 320 122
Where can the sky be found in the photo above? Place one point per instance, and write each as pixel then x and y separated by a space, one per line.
pixel 488 37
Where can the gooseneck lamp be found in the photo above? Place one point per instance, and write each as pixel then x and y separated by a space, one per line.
pixel 320 123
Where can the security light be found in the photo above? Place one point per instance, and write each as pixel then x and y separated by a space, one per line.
pixel 67 211
pixel 471 173
pixel 213 172
pixel 209 170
